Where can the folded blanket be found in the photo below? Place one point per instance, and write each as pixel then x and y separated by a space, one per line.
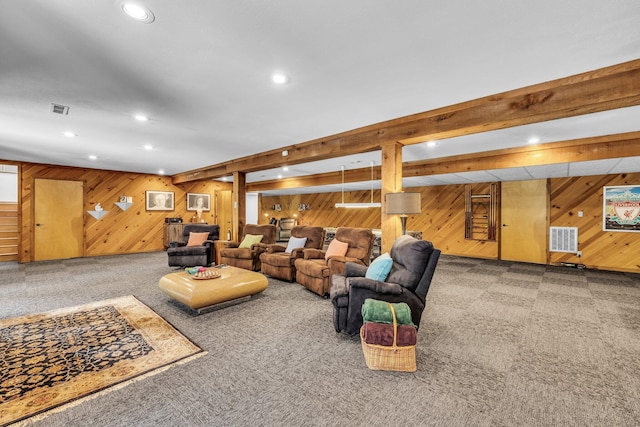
pixel 378 311
pixel 382 334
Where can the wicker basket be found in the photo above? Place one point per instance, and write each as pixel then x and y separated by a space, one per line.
pixel 389 358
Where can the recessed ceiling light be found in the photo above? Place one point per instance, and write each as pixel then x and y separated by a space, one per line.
pixel 69 134
pixel 139 13
pixel 148 147
pixel 279 176
pixel 285 169
pixel 534 140
pixel 161 172
pixel 431 144
pixel 93 157
pixel 279 78
pixel 141 118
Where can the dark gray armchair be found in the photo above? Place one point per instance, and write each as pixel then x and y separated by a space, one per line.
pixel 182 255
pixel 414 262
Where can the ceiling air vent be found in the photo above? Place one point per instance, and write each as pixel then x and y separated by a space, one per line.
pixel 59 109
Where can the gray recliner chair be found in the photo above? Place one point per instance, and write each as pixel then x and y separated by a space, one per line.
pixel 202 254
pixel 414 262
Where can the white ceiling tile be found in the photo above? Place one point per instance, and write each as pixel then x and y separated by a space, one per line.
pixel 627 165
pixel 594 167
pixel 548 171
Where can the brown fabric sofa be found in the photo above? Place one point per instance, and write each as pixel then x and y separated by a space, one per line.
pixel 314 272
pixel 248 258
pixel 279 264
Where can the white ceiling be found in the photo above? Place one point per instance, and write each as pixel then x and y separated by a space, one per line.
pixel 202 71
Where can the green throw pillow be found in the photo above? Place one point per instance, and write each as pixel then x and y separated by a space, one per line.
pixel 380 268
pixel 250 239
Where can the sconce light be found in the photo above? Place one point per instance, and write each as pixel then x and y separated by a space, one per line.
pixel 276 207
pixel 303 207
pixel 403 204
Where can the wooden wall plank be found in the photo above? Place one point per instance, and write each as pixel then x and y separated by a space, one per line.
pixel 442 219
pixel 605 250
pixel 130 231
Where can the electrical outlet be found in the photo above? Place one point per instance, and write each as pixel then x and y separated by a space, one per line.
pixel 579 253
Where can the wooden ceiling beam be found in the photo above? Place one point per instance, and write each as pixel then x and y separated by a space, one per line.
pixel 578 150
pixel 328 178
pixel 604 89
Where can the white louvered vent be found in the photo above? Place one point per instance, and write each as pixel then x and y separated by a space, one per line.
pixel 59 109
pixel 563 239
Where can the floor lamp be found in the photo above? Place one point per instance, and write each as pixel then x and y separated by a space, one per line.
pixel 403 204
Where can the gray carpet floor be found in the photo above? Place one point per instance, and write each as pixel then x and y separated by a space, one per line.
pixel 500 344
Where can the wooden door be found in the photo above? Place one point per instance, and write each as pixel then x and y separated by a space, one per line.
pixel 524 217
pixel 58 216
pixel 224 213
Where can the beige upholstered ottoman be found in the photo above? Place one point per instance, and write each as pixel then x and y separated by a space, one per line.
pixel 233 285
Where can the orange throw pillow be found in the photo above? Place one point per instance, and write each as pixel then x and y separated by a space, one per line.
pixel 336 248
pixel 197 239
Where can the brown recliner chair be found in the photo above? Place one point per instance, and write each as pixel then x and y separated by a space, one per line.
pixel 280 264
pixel 244 254
pixel 314 269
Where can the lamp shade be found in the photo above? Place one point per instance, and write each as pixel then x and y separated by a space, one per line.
pixel 403 203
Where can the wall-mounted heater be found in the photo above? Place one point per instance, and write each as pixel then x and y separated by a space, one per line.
pixel 563 239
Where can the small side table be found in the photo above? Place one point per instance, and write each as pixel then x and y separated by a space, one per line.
pixel 218 245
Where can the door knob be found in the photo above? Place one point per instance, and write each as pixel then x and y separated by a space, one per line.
pixel 505 225
pixel 38 225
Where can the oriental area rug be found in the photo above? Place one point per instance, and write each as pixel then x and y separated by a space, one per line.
pixel 53 359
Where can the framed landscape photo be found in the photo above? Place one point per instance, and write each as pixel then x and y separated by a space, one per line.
pixel 621 208
pixel 198 201
pixel 160 200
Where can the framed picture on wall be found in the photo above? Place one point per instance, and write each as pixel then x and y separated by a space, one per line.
pixel 621 208
pixel 160 200
pixel 198 201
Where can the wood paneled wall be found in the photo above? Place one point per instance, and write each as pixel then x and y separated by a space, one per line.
pixel 130 231
pixel 442 219
pixel 322 211
pixel 604 250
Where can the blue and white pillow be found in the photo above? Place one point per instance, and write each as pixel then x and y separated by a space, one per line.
pixel 295 243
